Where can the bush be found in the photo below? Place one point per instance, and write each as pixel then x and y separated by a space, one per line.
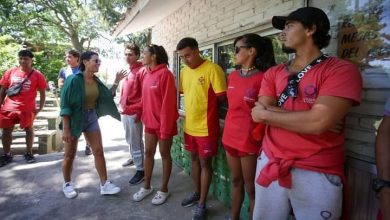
pixel 48 59
pixel 8 53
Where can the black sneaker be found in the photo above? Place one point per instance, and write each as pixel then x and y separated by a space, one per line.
pixel 6 159
pixel 88 150
pixel 2 162
pixel 199 212
pixel 29 157
pixel 137 178
pixel 190 201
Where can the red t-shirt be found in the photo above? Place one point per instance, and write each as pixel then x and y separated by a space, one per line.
pixel 242 94
pixel 130 100
pixel 332 77
pixel 159 103
pixel 25 100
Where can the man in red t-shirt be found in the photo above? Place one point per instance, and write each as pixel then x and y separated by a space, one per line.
pixel 301 164
pixel 20 108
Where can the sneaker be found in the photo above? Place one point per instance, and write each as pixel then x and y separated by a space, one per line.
pixel 142 194
pixel 2 162
pixel 29 157
pixel 88 150
pixel 69 190
pixel 109 188
pixel 160 198
pixel 6 159
pixel 128 162
pixel 137 178
pixel 199 212
pixel 190 201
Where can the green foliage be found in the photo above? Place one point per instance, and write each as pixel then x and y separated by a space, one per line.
pixel 141 38
pixel 59 21
pixel 112 10
pixel 50 60
pixel 8 53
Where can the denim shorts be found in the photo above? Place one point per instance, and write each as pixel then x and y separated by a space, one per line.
pixel 90 121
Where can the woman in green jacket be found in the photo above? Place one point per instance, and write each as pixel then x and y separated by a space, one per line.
pixel 84 98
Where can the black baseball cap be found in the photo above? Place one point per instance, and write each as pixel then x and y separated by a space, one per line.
pixel 307 15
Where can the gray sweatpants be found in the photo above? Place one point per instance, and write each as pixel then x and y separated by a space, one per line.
pixel 313 195
pixel 134 135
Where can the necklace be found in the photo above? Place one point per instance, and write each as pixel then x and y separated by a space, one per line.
pixel 248 72
pixel 248 69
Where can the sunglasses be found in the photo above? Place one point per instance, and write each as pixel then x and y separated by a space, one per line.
pixel 292 86
pixel 237 49
pixel 97 61
pixel 152 48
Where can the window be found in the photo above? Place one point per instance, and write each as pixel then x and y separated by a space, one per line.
pixel 207 53
pixel 280 56
pixel 226 57
pixel 360 33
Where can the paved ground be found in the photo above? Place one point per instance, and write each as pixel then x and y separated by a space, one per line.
pixel 34 191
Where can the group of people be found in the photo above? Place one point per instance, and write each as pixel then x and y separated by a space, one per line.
pixel 283 132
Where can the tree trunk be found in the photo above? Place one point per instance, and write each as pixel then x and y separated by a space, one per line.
pixel 76 43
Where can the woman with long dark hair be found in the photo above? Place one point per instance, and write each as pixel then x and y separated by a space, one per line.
pixel 84 98
pixel 253 55
pixel 159 115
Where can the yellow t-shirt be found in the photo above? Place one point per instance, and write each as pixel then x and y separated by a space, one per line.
pixel 200 87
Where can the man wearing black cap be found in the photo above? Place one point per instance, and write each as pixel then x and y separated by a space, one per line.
pixel 19 108
pixel 301 164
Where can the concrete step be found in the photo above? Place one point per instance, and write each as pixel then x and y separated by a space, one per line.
pixel 22 140
pixel 49 102
pixel 51 109
pixel 38 125
pixel 20 148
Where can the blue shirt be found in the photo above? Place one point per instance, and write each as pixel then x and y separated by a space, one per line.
pixel 67 71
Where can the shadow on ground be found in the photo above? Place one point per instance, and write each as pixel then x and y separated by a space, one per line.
pixel 34 191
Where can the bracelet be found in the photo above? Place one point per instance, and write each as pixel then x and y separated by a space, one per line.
pixel 115 84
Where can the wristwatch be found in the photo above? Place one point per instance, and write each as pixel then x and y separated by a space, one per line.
pixel 378 184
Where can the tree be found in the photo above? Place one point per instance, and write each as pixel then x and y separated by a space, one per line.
pixel 50 27
pixel 111 11
pixel 141 38
pixel 8 53
pixel 59 21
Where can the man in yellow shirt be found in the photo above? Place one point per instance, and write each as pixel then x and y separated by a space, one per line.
pixel 203 84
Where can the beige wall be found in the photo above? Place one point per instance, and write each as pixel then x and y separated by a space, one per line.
pixel 211 21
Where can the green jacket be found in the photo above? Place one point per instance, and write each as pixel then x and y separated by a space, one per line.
pixel 72 102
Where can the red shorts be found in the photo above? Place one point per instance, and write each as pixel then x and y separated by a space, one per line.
pixel 233 152
pixel 156 132
pixel 203 146
pixel 9 118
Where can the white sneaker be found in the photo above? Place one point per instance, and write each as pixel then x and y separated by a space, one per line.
pixel 109 188
pixel 160 198
pixel 69 190
pixel 142 193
